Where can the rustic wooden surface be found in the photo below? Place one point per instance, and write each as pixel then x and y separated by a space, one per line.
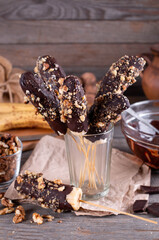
pixel 82 35
pixel 83 227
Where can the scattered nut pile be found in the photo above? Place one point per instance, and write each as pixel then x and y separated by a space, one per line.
pixel 9 145
pixel 20 212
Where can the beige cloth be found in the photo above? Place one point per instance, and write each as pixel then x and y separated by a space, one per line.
pixel 127 174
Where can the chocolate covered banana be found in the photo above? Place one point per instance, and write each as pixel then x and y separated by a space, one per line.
pixel 73 105
pixel 106 109
pixel 42 89
pixel 121 75
pixel 48 69
pixel 44 100
pixel 49 194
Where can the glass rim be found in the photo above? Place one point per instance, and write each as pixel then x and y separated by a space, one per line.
pixel 110 129
pixel 11 155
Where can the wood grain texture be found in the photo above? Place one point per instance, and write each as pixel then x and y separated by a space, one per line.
pixel 36 32
pixel 81 10
pixel 71 55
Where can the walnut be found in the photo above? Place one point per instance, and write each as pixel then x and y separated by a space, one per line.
pixel 1 195
pixel 6 211
pixel 48 217
pixel 19 215
pixel 7 202
pixel 37 218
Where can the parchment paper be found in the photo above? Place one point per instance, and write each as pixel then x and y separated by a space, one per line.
pixel 127 174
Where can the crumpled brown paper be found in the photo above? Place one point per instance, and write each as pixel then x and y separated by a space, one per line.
pixel 127 174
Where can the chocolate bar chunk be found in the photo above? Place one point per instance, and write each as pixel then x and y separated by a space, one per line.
pixel 121 75
pixel 149 189
pixel 49 194
pixel 153 209
pixel 73 105
pixel 44 99
pixel 140 205
pixel 106 109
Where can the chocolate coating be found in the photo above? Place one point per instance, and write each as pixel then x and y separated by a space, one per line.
pixel 73 104
pixel 106 109
pixel 44 99
pixel 121 75
pixel 49 70
pixel 49 194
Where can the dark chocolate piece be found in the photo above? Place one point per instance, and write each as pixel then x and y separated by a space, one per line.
pixel 44 99
pixel 153 209
pixel 121 75
pixel 140 206
pixel 149 189
pixel 105 110
pixel 73 105
pixel 49 194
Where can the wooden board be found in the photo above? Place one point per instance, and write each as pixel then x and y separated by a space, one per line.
pixel 71 55
pixel 79 32
pixel 70 9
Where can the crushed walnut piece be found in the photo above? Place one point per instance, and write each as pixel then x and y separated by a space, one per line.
pixel 37 218
pixel 7 202
pixel 1 195
pixel 49 218
pixel 19 214
pixel 6 211
pixel 59 221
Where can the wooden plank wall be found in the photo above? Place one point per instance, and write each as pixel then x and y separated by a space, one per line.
pixel 82 35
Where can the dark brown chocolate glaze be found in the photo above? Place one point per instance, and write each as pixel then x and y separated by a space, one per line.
pixel 73 104
pixel 49 70
pixel 153 209
pixel 106 110
pixel 140 206
pixel 44 99
pixel 121 75
pixel 49 194
pixel 149 189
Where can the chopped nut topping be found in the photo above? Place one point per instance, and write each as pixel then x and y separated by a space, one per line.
pixel 59 221
pixel 57 181
pixel 60 189
pixel 37 218
pixel 82 118
pixel 61 80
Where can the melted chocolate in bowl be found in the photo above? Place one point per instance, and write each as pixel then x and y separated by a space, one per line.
pixel 142 140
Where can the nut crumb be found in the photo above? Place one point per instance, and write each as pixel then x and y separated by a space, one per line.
pixel 59 221
pixel 48 217
pixel 37 218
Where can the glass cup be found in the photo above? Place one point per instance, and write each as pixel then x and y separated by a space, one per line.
pixel 9 168
pixel 89 159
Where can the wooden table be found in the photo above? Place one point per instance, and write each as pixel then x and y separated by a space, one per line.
pixel 82 227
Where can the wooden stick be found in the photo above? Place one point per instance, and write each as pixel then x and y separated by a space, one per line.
pixel 118 211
